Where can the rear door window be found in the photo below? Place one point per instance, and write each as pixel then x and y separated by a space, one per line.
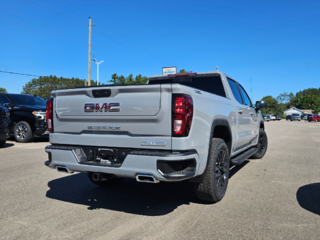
pixel 235 90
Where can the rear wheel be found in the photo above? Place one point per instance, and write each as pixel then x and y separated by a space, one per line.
pixel 2 143
pixel 106 182
pixel 262 145
pixel 23 132
pixel 214 180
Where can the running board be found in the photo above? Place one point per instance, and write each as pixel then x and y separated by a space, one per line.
pixel 243 156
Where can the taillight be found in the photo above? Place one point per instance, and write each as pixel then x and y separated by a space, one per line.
pixel 182 112
pixel 49 115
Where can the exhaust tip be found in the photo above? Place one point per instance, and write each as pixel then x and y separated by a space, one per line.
pixel 63 169
pixel 146 178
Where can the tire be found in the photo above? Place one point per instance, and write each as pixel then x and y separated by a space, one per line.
pixel 262 145
pixel 214 180
pixel 2 143
pixel 23 132
pixel 105 183
pixel 309 121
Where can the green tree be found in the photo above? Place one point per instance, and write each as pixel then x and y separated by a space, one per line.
pixel 116 80
pixel 43 85
pixel 272 105
pixel 3 90
pixel 184 71
pixel 308 102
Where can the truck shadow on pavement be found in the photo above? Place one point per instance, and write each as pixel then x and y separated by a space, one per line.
pixel 130 197
pixel 7 145
pixel 308 197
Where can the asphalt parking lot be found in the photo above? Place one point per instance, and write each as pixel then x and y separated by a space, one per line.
pixel 277 197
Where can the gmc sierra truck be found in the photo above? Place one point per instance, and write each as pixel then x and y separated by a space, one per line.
pixel 176 127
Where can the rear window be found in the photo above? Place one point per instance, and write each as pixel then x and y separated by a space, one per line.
pixel 212 84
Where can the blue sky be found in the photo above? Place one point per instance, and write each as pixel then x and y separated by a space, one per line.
pixel 275 43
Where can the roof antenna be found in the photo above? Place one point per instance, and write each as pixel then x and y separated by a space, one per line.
pixel 217 68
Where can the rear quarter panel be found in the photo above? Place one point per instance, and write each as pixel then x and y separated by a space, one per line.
pixel 207 108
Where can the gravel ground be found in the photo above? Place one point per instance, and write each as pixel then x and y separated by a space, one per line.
pixel 277 197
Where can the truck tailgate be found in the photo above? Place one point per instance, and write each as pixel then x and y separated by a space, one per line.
pixel 144 115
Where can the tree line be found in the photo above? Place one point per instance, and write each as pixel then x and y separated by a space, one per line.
pixel 305 99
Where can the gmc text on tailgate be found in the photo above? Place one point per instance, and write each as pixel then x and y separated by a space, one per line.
pixel 191 126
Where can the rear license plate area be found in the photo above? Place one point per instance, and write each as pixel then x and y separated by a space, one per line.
pixel 106 155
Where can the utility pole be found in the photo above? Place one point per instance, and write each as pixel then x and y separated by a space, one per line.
pixel 89 53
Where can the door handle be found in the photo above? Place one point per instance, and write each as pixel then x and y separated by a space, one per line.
pixel 251 113
pixel 240 111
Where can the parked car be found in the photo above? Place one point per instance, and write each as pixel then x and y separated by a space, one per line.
pixel 266 117
pixel 4 125
pixel 295 117
pixel 188 126
pixel 314 117
pixel 288 117
pixel 272 117
pixel 27 114
pixel 277 116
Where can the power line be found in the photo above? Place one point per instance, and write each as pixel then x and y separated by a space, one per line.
pixel 50 11
pixel 114 40
pixel 48 32
pixel 42 21
pixel 21 73
pixel 57 9
pixel 111 29
pixel 32 48
pixel 126 38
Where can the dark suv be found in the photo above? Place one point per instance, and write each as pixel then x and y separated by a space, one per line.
pixel 4 125
pixel 28 115
pixel 277 116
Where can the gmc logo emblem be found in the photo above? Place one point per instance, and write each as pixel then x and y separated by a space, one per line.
pixel 95 107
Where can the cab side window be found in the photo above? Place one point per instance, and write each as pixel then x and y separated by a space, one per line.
pixel 245 96
pixel 235 90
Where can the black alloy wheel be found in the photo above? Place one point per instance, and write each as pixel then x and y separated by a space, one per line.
pixel 221 170
pixel 23 132
pixel 213 183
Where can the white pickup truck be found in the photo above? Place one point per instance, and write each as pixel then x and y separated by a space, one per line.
pixel 177 127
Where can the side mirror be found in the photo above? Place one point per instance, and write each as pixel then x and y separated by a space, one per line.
pixel 8 105
pixel 261 104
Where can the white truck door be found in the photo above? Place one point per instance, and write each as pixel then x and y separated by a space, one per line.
pixel 242 133
pixel 253 123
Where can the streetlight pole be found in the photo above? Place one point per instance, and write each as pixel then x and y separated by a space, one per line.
pixel 98 63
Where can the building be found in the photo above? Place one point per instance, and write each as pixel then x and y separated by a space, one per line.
pixel 296 110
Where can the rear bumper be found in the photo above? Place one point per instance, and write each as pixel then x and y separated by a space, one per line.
pixel 160 164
